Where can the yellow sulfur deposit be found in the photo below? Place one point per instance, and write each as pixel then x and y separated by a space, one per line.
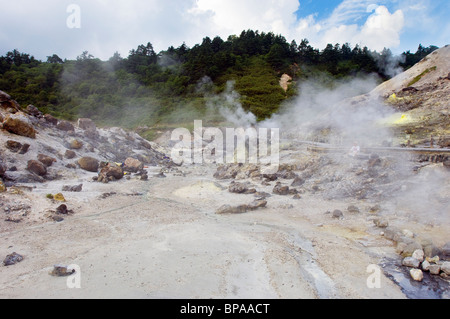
pixel 59 197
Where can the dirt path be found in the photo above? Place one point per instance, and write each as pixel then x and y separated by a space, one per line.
pixel 162 239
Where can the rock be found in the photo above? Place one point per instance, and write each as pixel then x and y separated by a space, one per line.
pixel 228 209
pixel 434 269
pixel 418 254
pixel 88 164
pixel 445 267
pixel 61 271
pixel 87 124
pixel 416 274
pixel 228 171
pixel 13 146
pixel 337 214
pixel 34 111
pixel 36 167
pixel 109 173
pixel 133 165
pixel 240 188
pixel 411 262
pixel 76 188
pixel 13 258
pixel 434 259
pixel 392 233
pixel 353 209
pixel 19 124
pixel 65 126
pixel 2 187
pixel 144 177
pixel 59 197
pixel 24 149
pixel 298 181
pixel 50 119
pixel 62 209
pixel 6 102
pixel 426 265
pixel 257 204
pixel 75 144
pixel 46 160
pixel 69 154
pixel 280 190
pixel 381 222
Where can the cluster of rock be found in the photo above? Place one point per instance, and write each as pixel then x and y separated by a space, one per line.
pixel 419 254
pixel 39 147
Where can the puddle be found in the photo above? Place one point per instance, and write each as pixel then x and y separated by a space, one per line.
pixel 431 287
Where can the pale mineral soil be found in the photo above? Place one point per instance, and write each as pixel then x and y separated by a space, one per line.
pixel 162 239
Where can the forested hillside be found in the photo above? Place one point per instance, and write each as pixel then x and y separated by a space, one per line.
pixel 153 90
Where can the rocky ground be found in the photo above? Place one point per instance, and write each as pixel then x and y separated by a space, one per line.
pixel 109 213
pixel 208 231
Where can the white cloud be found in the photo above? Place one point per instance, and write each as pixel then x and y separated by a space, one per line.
pixel 381 28
pixel 113 25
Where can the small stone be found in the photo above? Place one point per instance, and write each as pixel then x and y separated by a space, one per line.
pixel 59 197
pixel 46 160
pixel 13 146
pixel 61 271
pixel 416 274
pixel 381 223
pixel 12 259
pixel 62 209
pixel 418 254
pixel 69 154
pixel 410 262
pixel 65 126
pixel 434 269
pixel 426 265
pixel 36 167
pixel 2 187
pixel 76 188
pixel 337 214
pixel 434 259
pixel 75 144
pixel 445 267
pixel 353 209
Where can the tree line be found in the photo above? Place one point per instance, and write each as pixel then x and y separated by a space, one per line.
pixel 154 85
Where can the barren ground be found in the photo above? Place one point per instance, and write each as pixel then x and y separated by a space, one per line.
pixel 162 239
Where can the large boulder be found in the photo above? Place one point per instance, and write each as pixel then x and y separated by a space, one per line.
pixel 89 164
pixel 37 168
pixel 19 124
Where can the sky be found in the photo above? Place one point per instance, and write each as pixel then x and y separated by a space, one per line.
pixel 103 27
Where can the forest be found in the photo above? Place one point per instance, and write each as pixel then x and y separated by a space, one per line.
pixel 149 91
